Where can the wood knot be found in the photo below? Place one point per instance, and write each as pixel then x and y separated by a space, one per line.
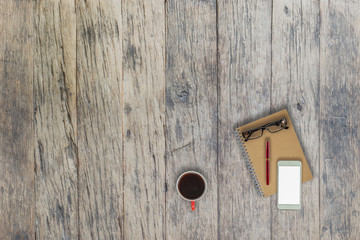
pixel 286 10
pixel 127 109
pixel 299 107
pixel 183 94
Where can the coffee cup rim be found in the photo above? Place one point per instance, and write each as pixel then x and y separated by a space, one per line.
pixel 177 186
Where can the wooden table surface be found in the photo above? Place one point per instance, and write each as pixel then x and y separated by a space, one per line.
pixel 104 103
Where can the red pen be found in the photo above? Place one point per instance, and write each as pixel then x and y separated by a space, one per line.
pixel 267 162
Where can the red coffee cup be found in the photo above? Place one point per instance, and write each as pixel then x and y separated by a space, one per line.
pixel 191 187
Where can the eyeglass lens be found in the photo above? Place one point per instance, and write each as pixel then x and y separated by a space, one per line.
pixel 274 128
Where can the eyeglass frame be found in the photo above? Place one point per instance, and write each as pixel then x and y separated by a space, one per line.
pixel 262 128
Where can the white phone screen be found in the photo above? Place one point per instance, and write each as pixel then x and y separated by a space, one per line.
pixel 289 184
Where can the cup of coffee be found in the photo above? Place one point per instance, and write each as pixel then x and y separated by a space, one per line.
pixel 191 186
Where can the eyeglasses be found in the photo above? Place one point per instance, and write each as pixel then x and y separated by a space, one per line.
pixel 271 127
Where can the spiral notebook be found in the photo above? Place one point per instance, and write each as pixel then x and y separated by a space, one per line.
pixel 284 145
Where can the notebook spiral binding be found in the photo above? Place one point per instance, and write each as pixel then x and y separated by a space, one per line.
pixel 249 162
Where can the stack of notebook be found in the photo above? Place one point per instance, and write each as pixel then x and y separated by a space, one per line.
pixel 284 146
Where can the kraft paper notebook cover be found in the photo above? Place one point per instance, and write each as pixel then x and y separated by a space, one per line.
pixel 284 145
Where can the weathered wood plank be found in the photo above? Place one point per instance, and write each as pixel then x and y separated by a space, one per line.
pixel 55 120
pixel 340 114
pixel 295 86
pixel 99 115
pixel 191 114
pixel 244 95
pixel 144 119
pixel 16 117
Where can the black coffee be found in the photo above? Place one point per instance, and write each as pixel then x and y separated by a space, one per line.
pixel 191 186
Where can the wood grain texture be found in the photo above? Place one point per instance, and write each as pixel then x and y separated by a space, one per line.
pixel 244 95
pixel 17 212
pixel 144 119
pixel 55 120
pixel 99 115
pixel 295 86
pixel 340 114
pixel 191 115
pixel 103 104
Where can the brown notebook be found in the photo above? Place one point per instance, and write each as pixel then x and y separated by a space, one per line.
pixel 284 145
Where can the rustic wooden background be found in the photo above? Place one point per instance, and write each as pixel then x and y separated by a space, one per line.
pixel 103 103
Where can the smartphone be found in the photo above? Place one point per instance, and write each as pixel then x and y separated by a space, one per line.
pixel 289 185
